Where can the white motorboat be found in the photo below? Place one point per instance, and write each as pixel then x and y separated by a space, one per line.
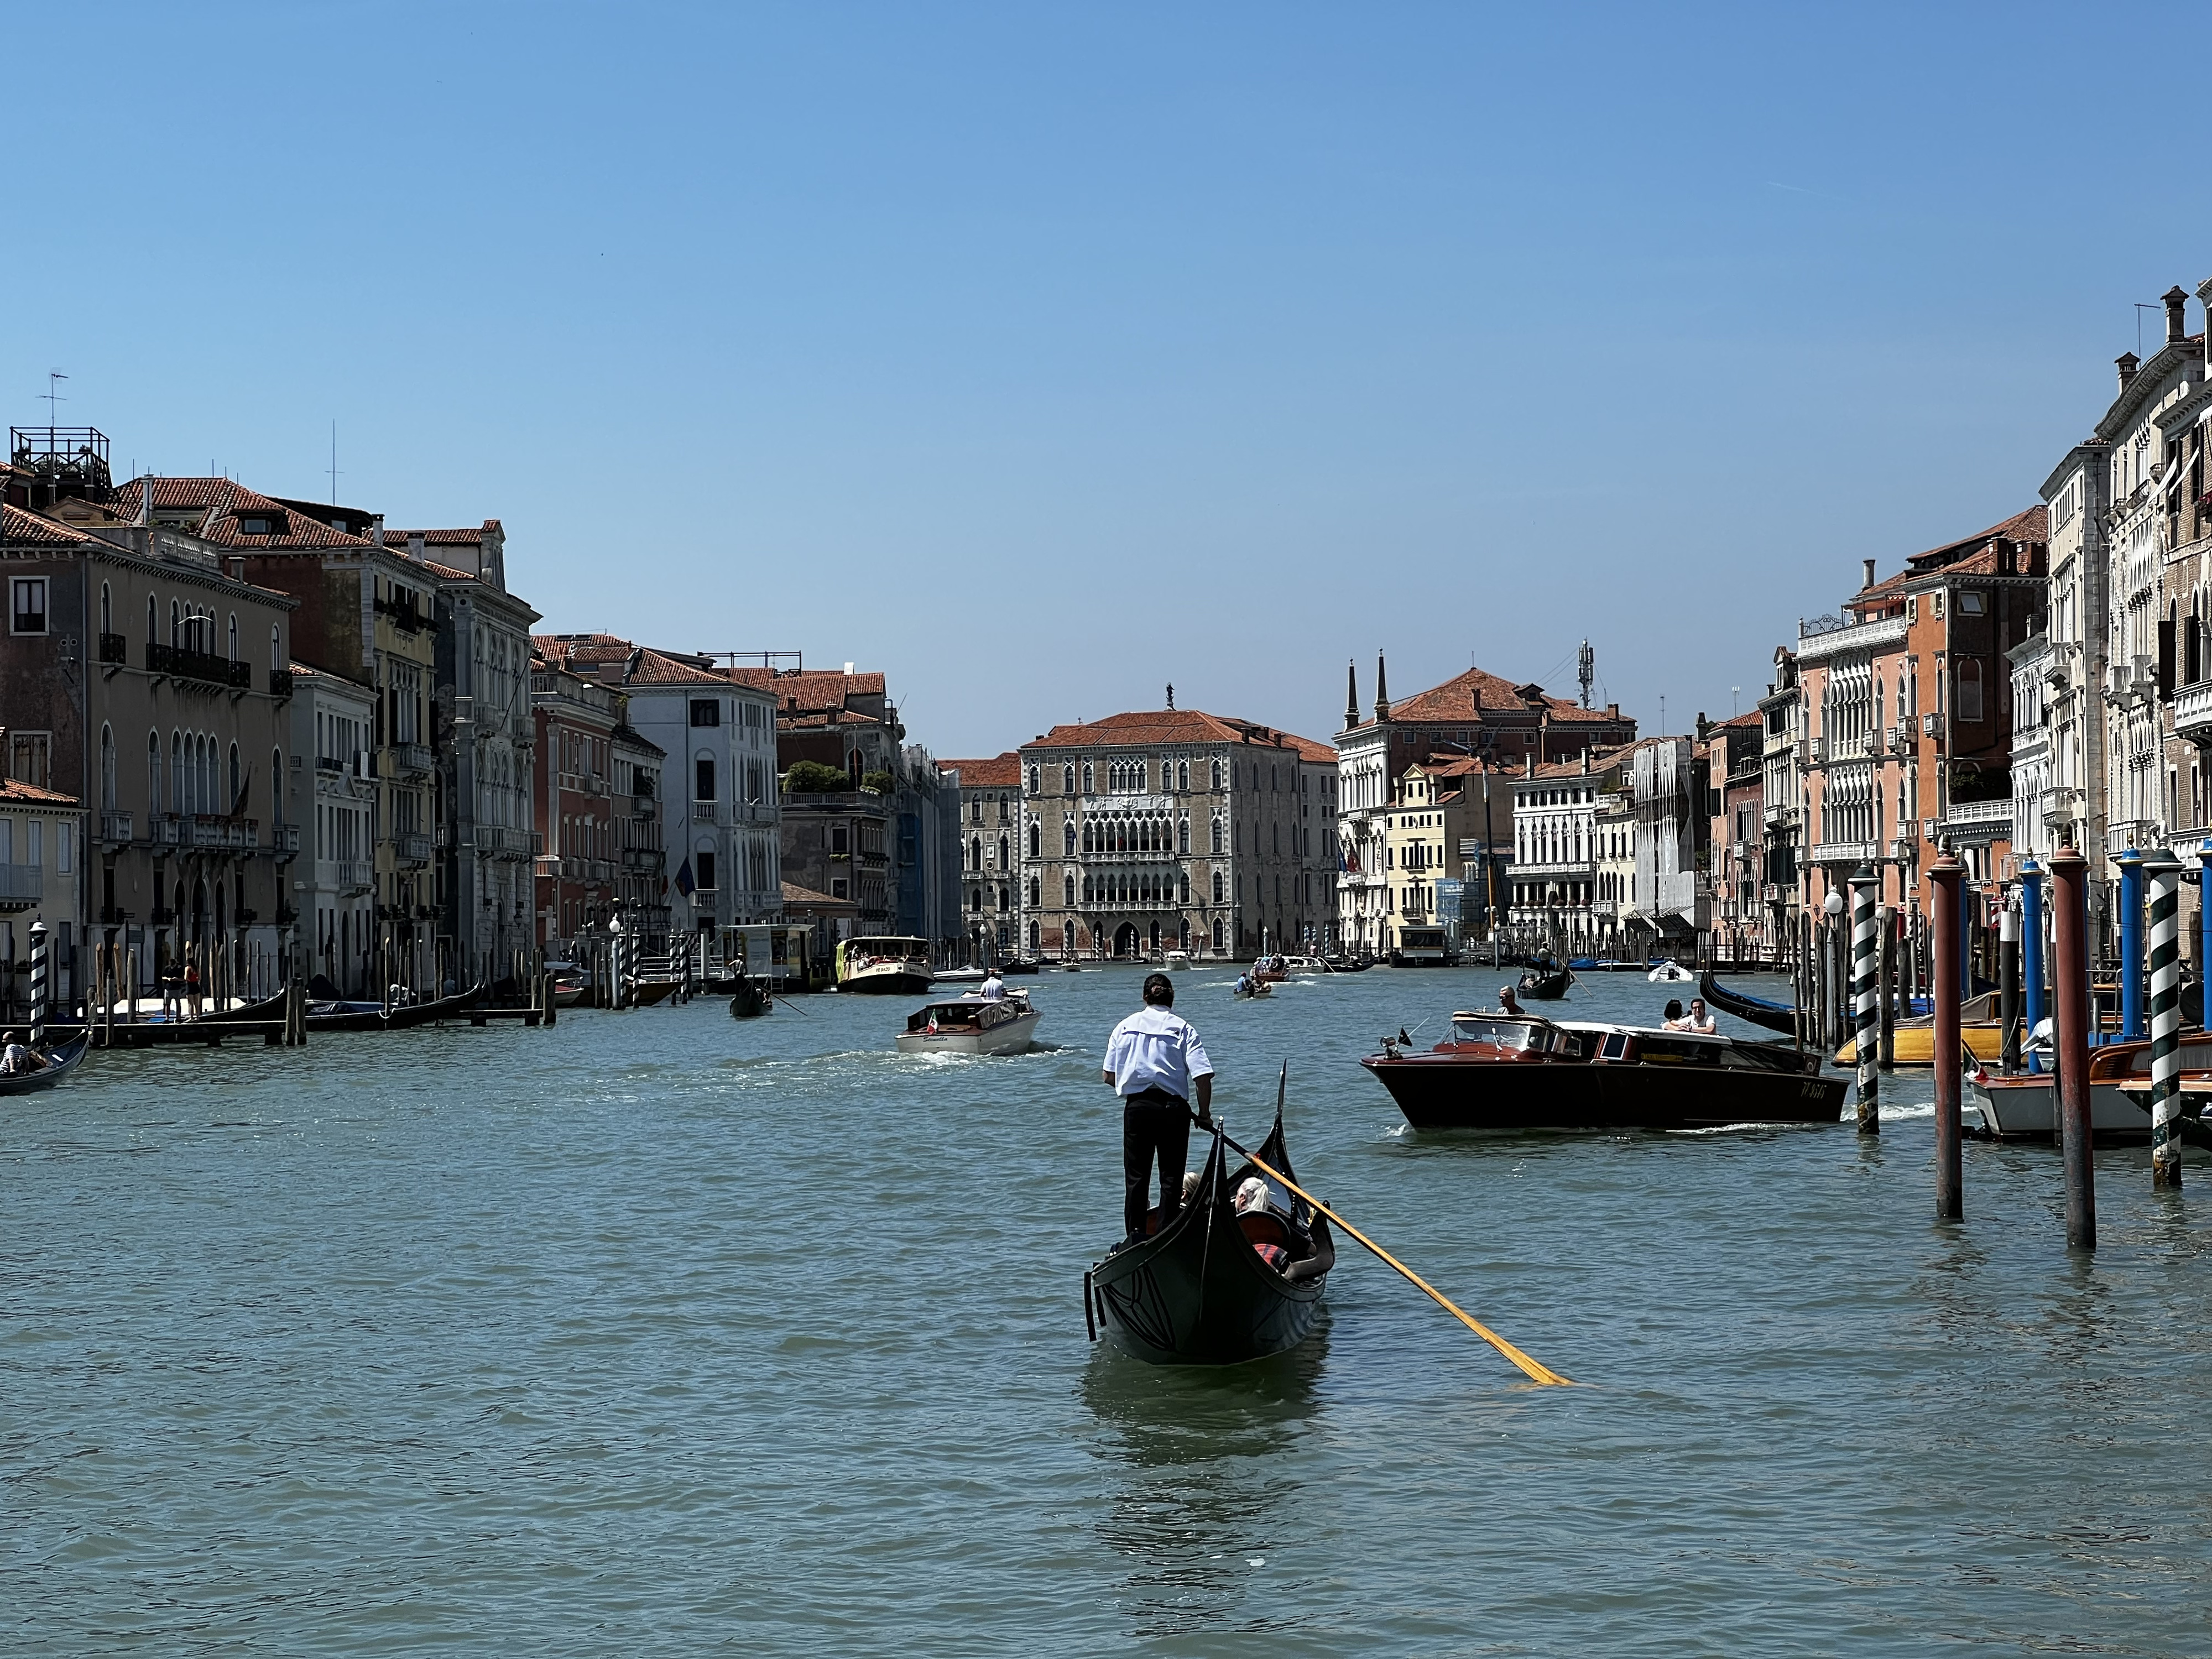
pixel 971 1025
pixel 1178 961
pixel 1305 964
pixel 962 975
pixel 888 964
pixel 2025 1106
pixel 1670 972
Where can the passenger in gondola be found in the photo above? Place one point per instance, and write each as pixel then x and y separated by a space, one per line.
pixel 16 1061
pixel 1156 1063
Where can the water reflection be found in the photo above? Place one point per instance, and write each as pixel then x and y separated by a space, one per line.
pixel 1202 1489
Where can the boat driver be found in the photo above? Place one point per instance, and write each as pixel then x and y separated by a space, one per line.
pixel 1156 1063
pixel 993 987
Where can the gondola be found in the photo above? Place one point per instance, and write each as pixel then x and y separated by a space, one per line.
pixel 376 1017
pixel 1546 985
pixel 246 1013
pixel 1197 1292
pixel 60 1062
pixel 1772 1016
pixel 752 1000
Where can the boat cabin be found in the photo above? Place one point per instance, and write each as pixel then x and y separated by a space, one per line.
pixel 967 1013
pixel 1419 947
pixel 1500 1037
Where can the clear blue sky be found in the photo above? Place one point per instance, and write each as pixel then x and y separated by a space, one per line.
pixel 1039 356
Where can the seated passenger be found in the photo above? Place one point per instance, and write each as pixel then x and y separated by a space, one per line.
pixel 1674 1020
pixel 1698 1019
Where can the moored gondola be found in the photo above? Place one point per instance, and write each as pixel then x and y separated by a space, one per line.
pixel 375 1017
pixel 61 1060
pixel 1758 1011
pixel 1215 1286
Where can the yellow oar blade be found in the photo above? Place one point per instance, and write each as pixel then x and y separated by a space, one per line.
pixel 1535 1369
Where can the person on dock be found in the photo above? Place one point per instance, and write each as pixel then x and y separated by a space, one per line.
pixel 992 988
pixel 1156 1063
pixel 191 989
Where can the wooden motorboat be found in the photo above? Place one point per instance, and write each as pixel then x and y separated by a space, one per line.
pixel 1270 970
pixel 1500 1071
pixel 1670 972
pixel 61 1060
pixel 885 965
pixel 1913 1041
pixel 568 993
pixel 962 975
pixel 1247 987
pixel 1758 1011
pixel 971 1025
pixel 1547 984
pixel 2024 1106
pixel 1212 1287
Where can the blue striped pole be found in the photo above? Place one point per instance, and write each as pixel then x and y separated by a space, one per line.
pixel 2204 932
pixel 38 986
pixel 1865 942
pixel 2165 872
pixel 2031 947
pixel 2131 944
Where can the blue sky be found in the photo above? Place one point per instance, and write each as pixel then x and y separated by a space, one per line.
pixel 1041 356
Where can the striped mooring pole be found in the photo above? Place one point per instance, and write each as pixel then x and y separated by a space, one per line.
pixel 2165 872
pixel 2131 944
pixel 38 986
pixel 1866 1003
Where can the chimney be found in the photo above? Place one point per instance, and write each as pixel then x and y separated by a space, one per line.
pixel 2127 362
pixel 1585 762
pixel 1351 694
pixel 379 535
pixel 2177 304
pixel 415 546
pixel 1531 758
pixel 1381 690
pixel 1869 582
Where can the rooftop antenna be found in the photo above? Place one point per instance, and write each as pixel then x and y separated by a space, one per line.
pixel 1662 714
pixel 1586 669
pixel 53 396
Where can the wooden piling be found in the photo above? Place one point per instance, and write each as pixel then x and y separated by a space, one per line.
pixel 2070 925
pixel 2164 871
pixel 1945 878
pixel 1865 950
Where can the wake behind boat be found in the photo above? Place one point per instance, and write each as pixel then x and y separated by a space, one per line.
pixel 1214 1285
pixel 971 1025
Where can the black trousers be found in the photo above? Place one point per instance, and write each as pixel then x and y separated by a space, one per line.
pixel 1154 1124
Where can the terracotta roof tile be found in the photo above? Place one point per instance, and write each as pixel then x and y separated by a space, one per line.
pixel 221 504
pixel 999 772
pixel 1140 729
pixel 443 538
pixel 1467 698
pixel 812 688
pixel 807 897
pixel 21 526
pixel 31 795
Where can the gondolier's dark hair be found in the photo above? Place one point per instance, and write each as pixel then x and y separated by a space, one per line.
pixel 1159 988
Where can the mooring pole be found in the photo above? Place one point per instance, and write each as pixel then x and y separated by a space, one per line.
pixel 2008 984
pixel 2204 933
pixel 1965 952
pixel 2031 948
pixel 1943 910
pixel 2164 871
pixel 2069 967
pixel 1866 996
pixel 38 985
pixel 1885 990
pixel 2131 944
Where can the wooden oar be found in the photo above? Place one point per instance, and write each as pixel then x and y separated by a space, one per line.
pixel 1533 1369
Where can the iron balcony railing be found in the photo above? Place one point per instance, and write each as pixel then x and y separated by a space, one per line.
pixel 114 648
pixel 280 681
pixel 284 839
pixel 202 665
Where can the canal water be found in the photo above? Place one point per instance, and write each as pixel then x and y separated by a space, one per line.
pixel 663 1333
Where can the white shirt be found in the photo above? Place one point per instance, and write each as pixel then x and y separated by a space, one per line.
pixel 994 988
pixel 1155 1048
pixel 14 1059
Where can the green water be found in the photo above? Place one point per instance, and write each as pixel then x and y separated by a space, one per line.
pixel 666 1334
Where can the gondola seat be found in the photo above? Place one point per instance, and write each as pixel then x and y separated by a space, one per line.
pixel 1266 1227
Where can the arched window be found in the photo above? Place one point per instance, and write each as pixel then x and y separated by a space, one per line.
pixel 153 622
pixel 153 773
pixel 176 771
pixel 1067 885
pixel 1067 779
pixel 276 648
pixel 1970 689
pixel 276 785
pixel 1004 906
pixel 1217 934
pixel 1220 892
pixel 1089 839
pixel 1182 836
pixel 1218 838
pixel 1037 893
pixel 1086 778
pixel 1033 778
pixel 1183 887
pixel 1036 833
pixel 1003 864
pixel 1217 775
pixel 1086 889
pixel 975 851
pixel 1182 777
pixel 176 624
pixel 106 611
pixel 106 746
pixel 1067 839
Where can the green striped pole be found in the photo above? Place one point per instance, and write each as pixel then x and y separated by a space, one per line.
pixel 1865 1003
pixel 2165 872
pixel 38 986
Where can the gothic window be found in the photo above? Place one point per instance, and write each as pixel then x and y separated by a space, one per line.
pixel 1086 777
pixel 1182 836
pixel 1182 777
pixel 1067 839
pixel 1067 779
pixel 1220 888
pixel 1035 837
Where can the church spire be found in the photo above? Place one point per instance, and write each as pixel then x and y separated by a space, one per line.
pixel 1382 690
pixel 1350 695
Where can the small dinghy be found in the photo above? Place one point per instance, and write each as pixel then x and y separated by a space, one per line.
pixel 971 1025
pixel 1216 1285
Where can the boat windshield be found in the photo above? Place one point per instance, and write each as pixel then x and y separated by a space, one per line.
pixel 1502 1031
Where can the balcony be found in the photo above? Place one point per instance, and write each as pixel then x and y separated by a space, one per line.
pixel 115 828
pixel 709 812
pixel 114 649
pixel 2192 713
pixel 203 667
pixel 645 807
pixel 413 849
pixel 354 875
pixel 1847 852
pixel 1860 636
pixel 404 617
pixel 1979 821
pixel 284 839
pixel 641 860
pixel 20 886
pixel 499 841
pixel 165 829
pixel 410 758
pixel 280 681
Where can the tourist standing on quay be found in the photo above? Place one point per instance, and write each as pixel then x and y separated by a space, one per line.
pixel 1155 1062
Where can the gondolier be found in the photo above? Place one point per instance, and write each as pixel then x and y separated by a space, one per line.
pixel 1156 1063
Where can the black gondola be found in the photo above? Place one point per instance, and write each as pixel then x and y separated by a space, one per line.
pixel 59 1063
pixel 377 1018
pixel 1772 1016
pixel 750 1000
pixel 1198 1291
pixel 1542 984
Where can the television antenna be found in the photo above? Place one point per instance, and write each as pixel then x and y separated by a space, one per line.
pixel 334 463
pixel 54 395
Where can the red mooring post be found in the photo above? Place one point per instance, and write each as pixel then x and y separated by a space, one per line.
pixel 1943 915
pixel 2069 974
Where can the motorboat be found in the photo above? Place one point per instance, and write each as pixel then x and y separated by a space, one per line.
pixel 1670 972
pixel 1500 1071
pixel 1270 970
pixel 2024 1105
pixel 1913 1041
pixel 962 975
pixel 884 965
pixel 971 1025
pixel 1178 961
pixel 1306 964
pixel 1248 986
pixel 1214 1285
